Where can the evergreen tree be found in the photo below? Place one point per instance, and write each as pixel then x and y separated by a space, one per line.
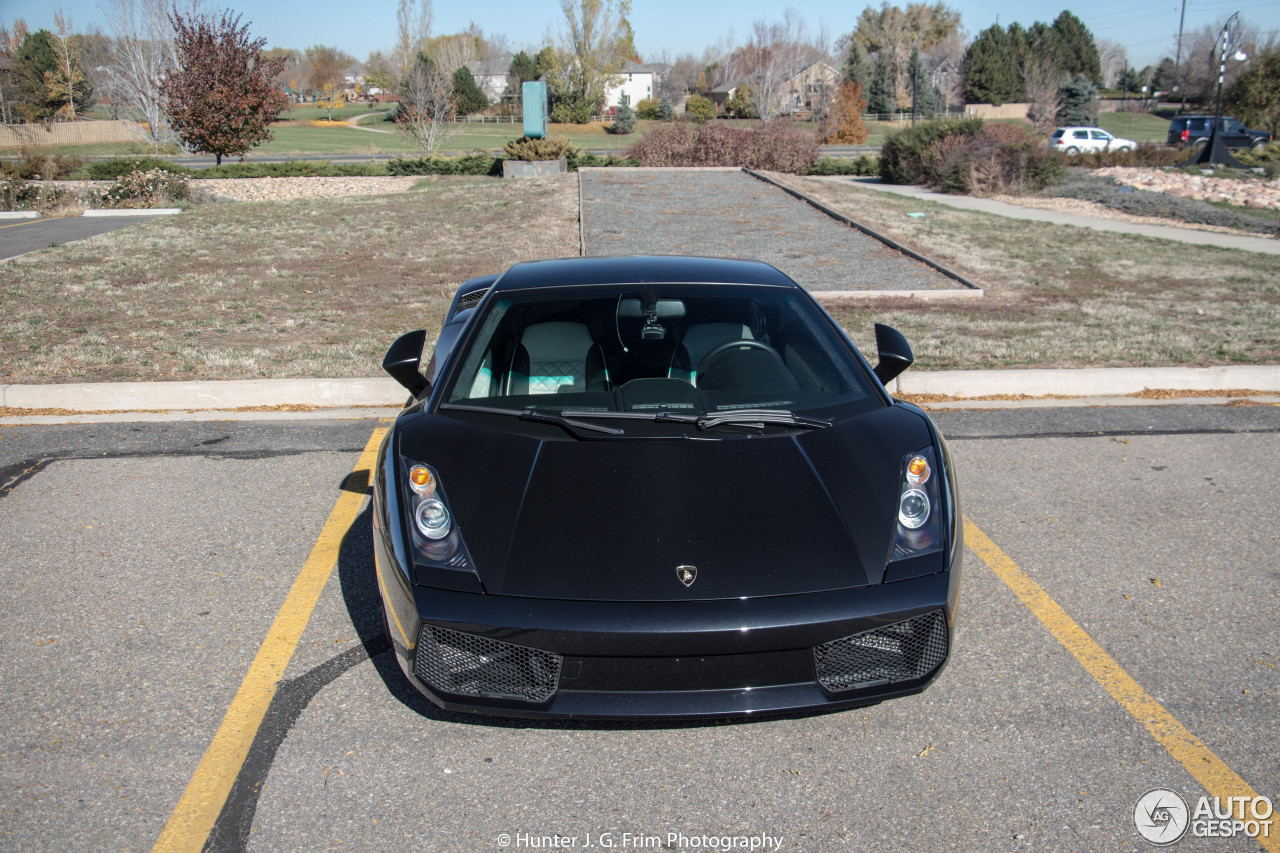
pixel 855 64
pixel 467 94
pixel 1076 50
pixel 924 103
pixel 666 112
pixel 624 120
pixel 1079 102
pixel 881 97
pixel 991 73
pixel 522 69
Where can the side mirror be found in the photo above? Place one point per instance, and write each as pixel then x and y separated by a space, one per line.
pixel 401 361
pixel 894 353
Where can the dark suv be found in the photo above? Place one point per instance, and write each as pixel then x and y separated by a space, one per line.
pixel 1192 131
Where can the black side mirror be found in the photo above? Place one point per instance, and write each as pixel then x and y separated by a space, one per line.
pixel 894 353
pixel 402 360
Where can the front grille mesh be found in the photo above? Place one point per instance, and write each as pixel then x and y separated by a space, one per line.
pixel 469 665
pixel 902 651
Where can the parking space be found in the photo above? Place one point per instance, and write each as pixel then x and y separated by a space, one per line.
pixel 139 585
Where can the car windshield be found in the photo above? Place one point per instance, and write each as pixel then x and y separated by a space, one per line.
pixel 659 350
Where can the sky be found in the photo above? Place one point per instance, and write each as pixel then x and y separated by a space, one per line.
pixel 1147 28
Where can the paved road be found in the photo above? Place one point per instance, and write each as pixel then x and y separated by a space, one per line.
pixel 141 565
pixel 18 237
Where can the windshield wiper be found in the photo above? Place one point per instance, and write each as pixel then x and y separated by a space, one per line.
pixel 576 428
pixel 758 419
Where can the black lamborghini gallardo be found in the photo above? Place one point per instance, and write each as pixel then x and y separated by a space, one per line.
pixel 660 487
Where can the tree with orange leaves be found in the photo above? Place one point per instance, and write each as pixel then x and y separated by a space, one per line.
pixel 844 118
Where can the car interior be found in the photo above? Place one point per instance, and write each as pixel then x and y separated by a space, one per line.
pixel 642 351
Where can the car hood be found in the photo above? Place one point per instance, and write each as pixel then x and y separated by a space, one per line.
pixel 613 520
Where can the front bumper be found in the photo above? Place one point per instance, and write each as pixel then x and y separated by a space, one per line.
pixel 657 660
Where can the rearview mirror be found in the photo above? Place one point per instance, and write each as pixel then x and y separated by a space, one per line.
pixel 662 307
pixel 401 361
pixel 893 351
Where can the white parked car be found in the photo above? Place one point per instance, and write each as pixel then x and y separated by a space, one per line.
pixel 1073 140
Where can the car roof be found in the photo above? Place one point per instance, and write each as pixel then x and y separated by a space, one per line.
pixel 640 269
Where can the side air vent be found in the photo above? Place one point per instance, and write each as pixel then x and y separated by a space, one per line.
pixel 472 299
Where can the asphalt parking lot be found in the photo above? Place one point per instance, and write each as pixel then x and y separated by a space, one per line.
pixel 18 237
pixel 1117 633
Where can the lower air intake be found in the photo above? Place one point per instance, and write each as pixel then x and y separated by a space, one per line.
pixel 465 664
pixel 903 651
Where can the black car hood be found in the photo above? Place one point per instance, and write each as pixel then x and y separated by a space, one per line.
pixel 612 520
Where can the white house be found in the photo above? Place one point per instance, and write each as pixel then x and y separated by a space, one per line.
pixel 636 83
pixel 491 77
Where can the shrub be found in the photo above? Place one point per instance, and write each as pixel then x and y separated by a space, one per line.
pixel 648 108
pixel 1001 158
pixel 666 112
pixel 154 188
pixel 699 109
pixel 571 113
pixel 577 158
pixel 1266 158
pixel 531 148
pixel 742 104
pixel 862 166
pixel 624 121
pixel 109 170
pixel 777 145
pixel 969 156
pixel 909 156
pixel 292 169
pixel 470 164
pixel 1146 154
pixel 41 167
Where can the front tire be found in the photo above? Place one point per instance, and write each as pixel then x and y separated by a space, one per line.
pixel 1073 151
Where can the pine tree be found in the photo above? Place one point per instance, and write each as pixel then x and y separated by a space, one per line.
pixel 1077 52
pixel 990 69
pixel 855 64
pixel 666 112
pixel 1079 102
pixel 882 100
pixel 467 94
pixel 624 120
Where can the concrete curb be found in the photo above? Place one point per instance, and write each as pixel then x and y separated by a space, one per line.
pixel 1086 382
pixel 383 391
pixel 19 214
pixel 135 211
pixel 232 394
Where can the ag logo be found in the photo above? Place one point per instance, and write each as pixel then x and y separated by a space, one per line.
pixel 1161 817
pixel 687 574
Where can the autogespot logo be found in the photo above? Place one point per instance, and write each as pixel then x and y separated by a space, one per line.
pixel 1161 817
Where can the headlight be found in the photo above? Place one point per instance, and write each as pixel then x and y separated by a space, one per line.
pixel 919 528
pixel 432 529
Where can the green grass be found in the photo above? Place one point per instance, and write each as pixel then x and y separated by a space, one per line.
pixel 310 112
pixel 1140 127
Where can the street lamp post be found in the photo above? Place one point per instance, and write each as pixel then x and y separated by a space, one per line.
pixel 1214 151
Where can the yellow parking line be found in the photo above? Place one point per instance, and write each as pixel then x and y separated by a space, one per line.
pixel 1209 770
pixel 193 818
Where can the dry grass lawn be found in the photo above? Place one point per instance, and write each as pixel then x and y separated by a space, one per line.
pixel 270 289
pixel 1058 296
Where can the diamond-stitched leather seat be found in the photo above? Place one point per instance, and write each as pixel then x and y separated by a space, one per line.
pixel 556 357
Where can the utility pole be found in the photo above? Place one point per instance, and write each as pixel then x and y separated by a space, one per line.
pixel 1177 60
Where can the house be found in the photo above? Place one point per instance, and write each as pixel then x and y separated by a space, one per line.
pixel 491 75
pixel 808 90
pixel 636 82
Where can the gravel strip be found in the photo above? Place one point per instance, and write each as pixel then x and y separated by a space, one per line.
pixel 287 189
pixel 731 214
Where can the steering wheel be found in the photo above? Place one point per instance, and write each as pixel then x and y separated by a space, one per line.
pixel 728 346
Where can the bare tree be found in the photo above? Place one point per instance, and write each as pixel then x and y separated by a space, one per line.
pixel 777 53
pixel 1113 56
pixel 143 53
pixel 413 29
pixel 426 105
pixel 1042 78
